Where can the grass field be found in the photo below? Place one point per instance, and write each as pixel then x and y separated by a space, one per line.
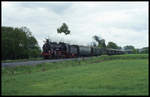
pixel 105 75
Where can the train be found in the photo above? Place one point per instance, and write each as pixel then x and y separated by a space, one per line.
pixel 63 50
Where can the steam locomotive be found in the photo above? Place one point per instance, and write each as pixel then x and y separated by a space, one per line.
pixel 63 50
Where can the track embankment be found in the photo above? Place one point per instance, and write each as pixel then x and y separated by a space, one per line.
pixel 35 62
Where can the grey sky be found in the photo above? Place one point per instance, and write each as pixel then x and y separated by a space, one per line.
pixel 125 23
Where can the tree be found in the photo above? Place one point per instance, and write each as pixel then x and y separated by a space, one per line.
pixel 18 43
pixel 144 50
pixel 119 47
pixel 97 39
pixel 7 41
pixel 101 42
pixel 63 29
pixel 129 47
pixel 112 45
pixel 32 44
pixel 13 43
pixel 103 45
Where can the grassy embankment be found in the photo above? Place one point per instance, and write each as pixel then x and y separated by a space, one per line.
pixel 105 75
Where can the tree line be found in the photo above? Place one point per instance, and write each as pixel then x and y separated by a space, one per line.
pixel 112 45
pixel 19 43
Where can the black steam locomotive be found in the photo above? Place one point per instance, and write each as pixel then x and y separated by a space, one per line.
pixel 64 50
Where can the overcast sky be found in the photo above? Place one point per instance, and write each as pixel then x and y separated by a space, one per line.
pixel 125 23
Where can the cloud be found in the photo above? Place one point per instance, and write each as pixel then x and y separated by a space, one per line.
pixel 123 23
pixel 58 8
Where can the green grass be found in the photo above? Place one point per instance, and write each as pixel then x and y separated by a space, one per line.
pixel 105 75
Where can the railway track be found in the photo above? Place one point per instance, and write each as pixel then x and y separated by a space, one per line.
pixel 38 62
